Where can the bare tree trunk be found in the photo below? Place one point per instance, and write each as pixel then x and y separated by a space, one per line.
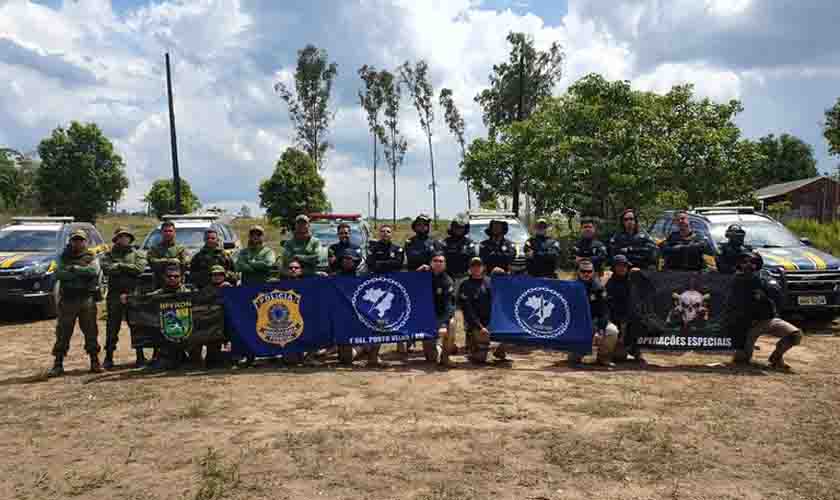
pixel 434 182
pixel 469 196
pixel 394 180
pixel 375 192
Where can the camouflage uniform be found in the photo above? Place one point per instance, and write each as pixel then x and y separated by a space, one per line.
pixel 212 291
pixel 306 251
pixel 123 267
pixel 78 275
pixel 162 256
pixel 255 263
pixel 171 354
pixel 205 259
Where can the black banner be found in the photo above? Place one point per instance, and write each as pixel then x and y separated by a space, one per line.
pixel 185 318
pixel 682 311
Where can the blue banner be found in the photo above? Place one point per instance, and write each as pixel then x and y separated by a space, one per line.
pixel 280 317
pixel 380 309
pixel 544 312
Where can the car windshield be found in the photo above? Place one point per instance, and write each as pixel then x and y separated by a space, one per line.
pixel 760 235
pixel 327 234
pixel 192 238
pixel 516 232
pixel 28 241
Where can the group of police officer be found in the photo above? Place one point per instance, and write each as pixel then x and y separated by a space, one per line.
pixel 459 277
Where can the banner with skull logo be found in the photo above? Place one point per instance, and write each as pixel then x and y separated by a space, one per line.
pixel 681 311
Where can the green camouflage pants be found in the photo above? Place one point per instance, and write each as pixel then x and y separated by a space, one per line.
pixel 116 315
pixel 72 308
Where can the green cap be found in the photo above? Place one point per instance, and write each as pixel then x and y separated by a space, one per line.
pixel 475 260
pixel 256 228
pixel 544 222
pixel 217 269
pixel 302 218
pixel 122 231
pixel 78 234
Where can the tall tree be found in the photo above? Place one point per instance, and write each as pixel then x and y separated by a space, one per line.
pixel 309 101
pixel 294 188
pixel 161 197
pixel 517 87
pixel 80 174
pixel 785 158
pixel 392 140
pixel 831 128
pixel 10 178
pixel 372 98
pixel 416 80
pixel 455 122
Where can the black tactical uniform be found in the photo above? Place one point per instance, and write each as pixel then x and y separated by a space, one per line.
pixel 639 248
pixel 592 249
pixel 495 253
pixel 685 253
pixel 458 251
pixel 338 249
pixel 618 298
pixel 347 253
pixel 384 257
pixel 730 250
pixel 475 299
pixel 420 247
pixel 542 254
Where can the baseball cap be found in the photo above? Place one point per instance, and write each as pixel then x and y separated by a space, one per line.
pixel 217 269
pixel 475 260
pixel 585 265
pixel 256 228
pixel 620 259
pixel 78 234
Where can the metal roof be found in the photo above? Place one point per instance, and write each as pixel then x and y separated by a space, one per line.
pixel 775 190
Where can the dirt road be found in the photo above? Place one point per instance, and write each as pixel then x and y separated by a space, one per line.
pixel 682 428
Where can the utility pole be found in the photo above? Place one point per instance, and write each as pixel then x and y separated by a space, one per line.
pixel 176 176
pixel 520 112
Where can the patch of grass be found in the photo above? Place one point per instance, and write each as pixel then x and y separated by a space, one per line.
pixel 826 237
pixel 195 410
pixel 507 413
pixel 82 484
pixel 450 490
pixel 216 477
pixel 598 408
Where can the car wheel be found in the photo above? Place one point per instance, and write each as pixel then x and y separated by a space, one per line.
pixel 49 309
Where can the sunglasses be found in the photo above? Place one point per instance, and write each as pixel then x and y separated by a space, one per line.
pixel 586 272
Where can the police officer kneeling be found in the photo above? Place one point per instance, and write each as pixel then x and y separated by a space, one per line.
pixel 755 313
pixel 475 299
pixel 606 333
pixel 443 287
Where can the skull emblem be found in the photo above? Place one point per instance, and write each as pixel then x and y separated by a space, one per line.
pixel 689 306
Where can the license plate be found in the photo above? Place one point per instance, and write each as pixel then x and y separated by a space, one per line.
pixel 818 300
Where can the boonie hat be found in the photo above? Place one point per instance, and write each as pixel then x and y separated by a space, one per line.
pixel 78 234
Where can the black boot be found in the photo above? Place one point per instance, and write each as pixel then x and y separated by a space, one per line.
pixel 58 367
pixel 95 367
pixel 141 359
pixel 108 363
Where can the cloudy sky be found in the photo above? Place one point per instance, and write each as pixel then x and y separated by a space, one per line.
pixel 102 61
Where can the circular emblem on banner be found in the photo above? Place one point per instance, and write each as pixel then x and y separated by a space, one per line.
pixel 279 320
pixel 382 304
pixel 542 312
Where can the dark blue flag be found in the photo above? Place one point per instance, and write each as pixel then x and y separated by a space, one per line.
pixel 280 317
pixel 380 309
pixel 545 312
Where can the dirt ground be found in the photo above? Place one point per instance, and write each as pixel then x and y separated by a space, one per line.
pixel 686 427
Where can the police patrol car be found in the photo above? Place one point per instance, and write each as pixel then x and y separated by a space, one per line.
pixel 29 250
pixel 807 280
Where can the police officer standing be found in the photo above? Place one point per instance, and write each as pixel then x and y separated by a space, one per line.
pixel 302 246
pixel 383 256
pixel 729 251
pixel 589 247
pixel 633 243
pixel 684 249
pixel 123 266
pixel 497 252
pixel 542 252
pixel 336 251
pixel 256 261
pixel 420 247
pixel 78 274
pixel 210 255
pixel 459 249
pixel 166 253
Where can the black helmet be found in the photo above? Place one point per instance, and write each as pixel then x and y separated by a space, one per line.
pixel 735 231
pixel 459 222
pixel 489 229
pixel 422 218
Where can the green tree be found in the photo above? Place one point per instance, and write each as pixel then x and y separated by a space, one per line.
pixel 391 138
pixel 161 197
pixel 10 178
pixel 786 158
pixel 372 99
pixel 831 128
pixel 416 80
pixel 517 87
pixel 455 122
pixel 80 173
pixel 294 188
pixel 309 101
